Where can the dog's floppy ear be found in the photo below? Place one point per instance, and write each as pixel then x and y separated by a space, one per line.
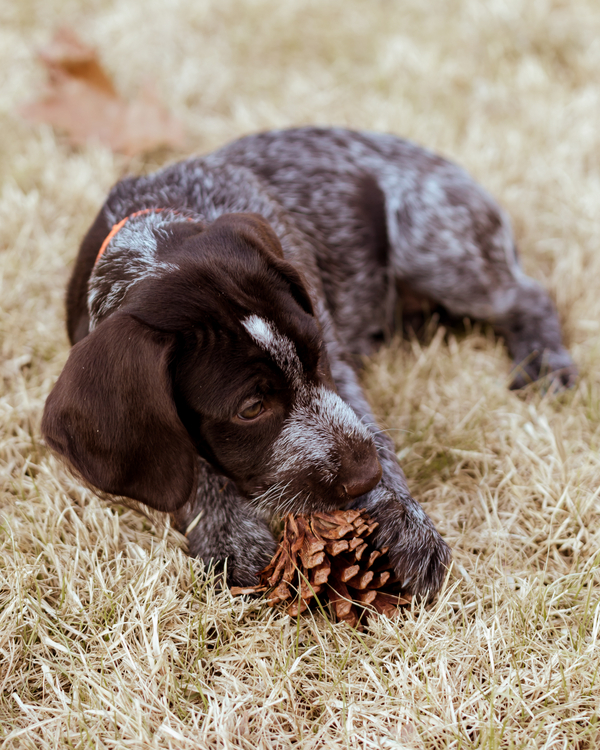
pixel 112 415
pixel 256 231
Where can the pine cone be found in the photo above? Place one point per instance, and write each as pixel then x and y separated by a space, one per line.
pixel 333 554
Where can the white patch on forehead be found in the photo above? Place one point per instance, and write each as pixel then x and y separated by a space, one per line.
pixel 261 331
pixel 276 344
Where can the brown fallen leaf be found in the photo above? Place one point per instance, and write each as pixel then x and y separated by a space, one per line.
pixel 331 555
pixel 81 100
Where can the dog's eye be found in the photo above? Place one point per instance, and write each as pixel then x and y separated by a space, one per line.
pixel 252 411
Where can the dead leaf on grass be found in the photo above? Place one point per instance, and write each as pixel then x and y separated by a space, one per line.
pixel 81 99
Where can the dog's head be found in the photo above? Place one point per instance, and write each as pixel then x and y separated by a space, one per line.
pixel 218 355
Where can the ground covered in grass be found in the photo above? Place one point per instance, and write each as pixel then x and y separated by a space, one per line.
pixel 110 637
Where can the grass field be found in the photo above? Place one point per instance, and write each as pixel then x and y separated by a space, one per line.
pixel 110 637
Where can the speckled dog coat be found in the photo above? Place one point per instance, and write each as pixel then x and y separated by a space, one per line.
pixel 216 336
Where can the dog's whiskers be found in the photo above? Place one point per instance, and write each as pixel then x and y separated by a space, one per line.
pixel 269 500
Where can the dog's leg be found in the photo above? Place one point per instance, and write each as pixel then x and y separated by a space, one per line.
pixel 419 554
pixel 519 310
pixel 454 245
pixel 527 319
pixel 220 525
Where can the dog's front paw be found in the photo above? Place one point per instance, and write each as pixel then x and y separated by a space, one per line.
pixel 224 532
pixel 243 546
pixel 246 561
pixel 417 551
pixel 243 552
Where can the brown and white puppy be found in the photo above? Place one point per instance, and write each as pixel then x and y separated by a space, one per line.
pixel 218 308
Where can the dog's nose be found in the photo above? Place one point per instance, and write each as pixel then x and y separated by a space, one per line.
pixel 361 477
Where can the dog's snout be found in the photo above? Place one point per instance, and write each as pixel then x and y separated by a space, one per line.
pixel 360 477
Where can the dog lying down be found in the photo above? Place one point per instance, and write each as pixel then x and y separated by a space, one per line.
pixel 218 310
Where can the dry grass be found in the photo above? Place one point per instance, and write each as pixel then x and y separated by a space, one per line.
pixel 110 637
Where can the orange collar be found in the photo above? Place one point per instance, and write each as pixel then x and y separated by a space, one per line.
pixel 116 227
